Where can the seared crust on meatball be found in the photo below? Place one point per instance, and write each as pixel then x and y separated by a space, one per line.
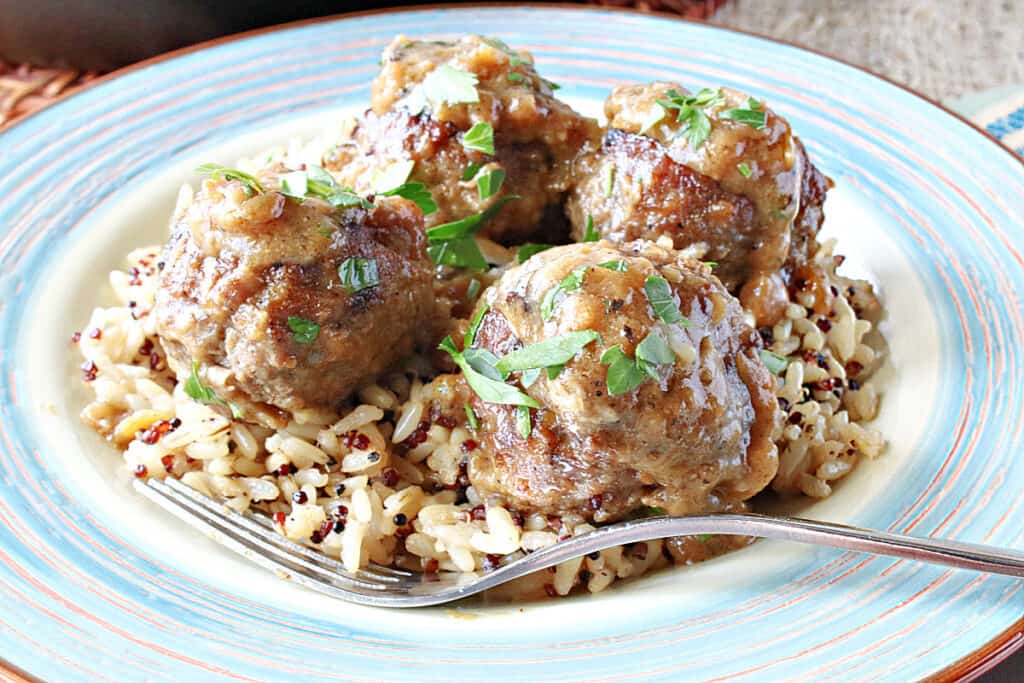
pixel 239 268
pixel 536 137
pixel 699 438
pixel 632 189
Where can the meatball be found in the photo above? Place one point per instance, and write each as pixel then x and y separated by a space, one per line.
pixel 284 305
pixel 426 100
pixel 690 428
pixel 749 152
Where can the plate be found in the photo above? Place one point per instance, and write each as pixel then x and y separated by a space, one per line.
pixel 95 584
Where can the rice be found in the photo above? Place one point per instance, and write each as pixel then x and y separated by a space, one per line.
pixel 384 481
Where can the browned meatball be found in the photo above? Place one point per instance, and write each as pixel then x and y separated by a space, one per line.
pixel 765 164
pixel 253 291
pixel 697 437
pixel 426 98
pixel 632 189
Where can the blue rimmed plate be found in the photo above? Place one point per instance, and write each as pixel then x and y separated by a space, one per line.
pixel 97 585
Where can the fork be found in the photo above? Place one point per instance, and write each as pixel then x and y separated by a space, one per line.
pixel 254 537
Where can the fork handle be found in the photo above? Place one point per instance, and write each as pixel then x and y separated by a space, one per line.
pixel 938 551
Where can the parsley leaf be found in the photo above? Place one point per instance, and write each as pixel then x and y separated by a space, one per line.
pixel 392 177
pixel 489 390
pixel 653 352
pixel 472 289
pixel 619 265
pixel 480 138
pixel 775 363
pixel 528 250
pixel 655 116
pixel 623 374
pixel 696 125
pixel 744 169
pixel 608 179
pixel 417 193
pixel 529 377
pixel 358 274
pixel 446 84
pixel 589 233
pixel 659 295
pixel 489 184
pixel 452 244
pixel 218 172
pixel 303 331
pixel 471 170
pixel 516 77
pixel 752 115
pixel 553 351
pixel 197 391
pixel 322 185
pixel 523 423
pixel 294 184
pixel 471 417
pixel 570 283
pixel 474 325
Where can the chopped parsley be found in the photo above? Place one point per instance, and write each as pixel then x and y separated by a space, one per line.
pixel 197 391
pixel 303 331
pixel 452 244
pixel 618 265
pixel 471 417
pixel 472 289
pixel 653 357
pixel 703 538
pixel 474 325
pixel 659 295
pixel 488 389
pixel 480 138
pixel 358 274
pixel 516 77
pixel 448 85
pixel 744 169
pixel 555 351
pixel 218 172
pixel 623 374
pixel 590 234
pixel 655 116
pixel 489 184
pixel 417 193
pixel 570 283
pixel 528 250
pixel 690 112
pixel 391 177
pixel 608 179
pixel 471 170
pixel 317 182
pixel 524 424
pixel 775 363
pixel 753 114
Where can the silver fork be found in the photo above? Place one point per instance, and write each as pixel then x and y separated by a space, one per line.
pixel 254 537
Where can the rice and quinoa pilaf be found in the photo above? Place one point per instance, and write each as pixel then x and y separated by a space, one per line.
pixel 385 481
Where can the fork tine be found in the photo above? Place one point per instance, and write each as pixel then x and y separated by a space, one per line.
pixel 276 558
pixel 261 528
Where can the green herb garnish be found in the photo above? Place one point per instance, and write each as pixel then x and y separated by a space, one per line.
pixel 619 265
pixel 480 138
pixel 358 274
pixel 303 331
pixel 608 179
pixel 589 233
pixel 653 353
pixel 472 289
pixel 218 172
pixel 489 390
pixel 570 283
pixel 553 351
pixel 417 193
pixel 516 77
pixel 744 169
pixel 197 391
pixel 623 374
pixel 446 84
pixel 392 177
pixel 452 244
pixel 696 126
pixel 524 424
pixel 489 183
pixel 322 185
pixel 659 295
pixel 474 325
pixel 527 250
pixel 775 363
pixel 752 115
pixel 471 417
pixel 471 170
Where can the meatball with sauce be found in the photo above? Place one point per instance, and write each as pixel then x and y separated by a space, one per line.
pixel 280 304
pixel 747 192
pixel 468 113
pixel 664 401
